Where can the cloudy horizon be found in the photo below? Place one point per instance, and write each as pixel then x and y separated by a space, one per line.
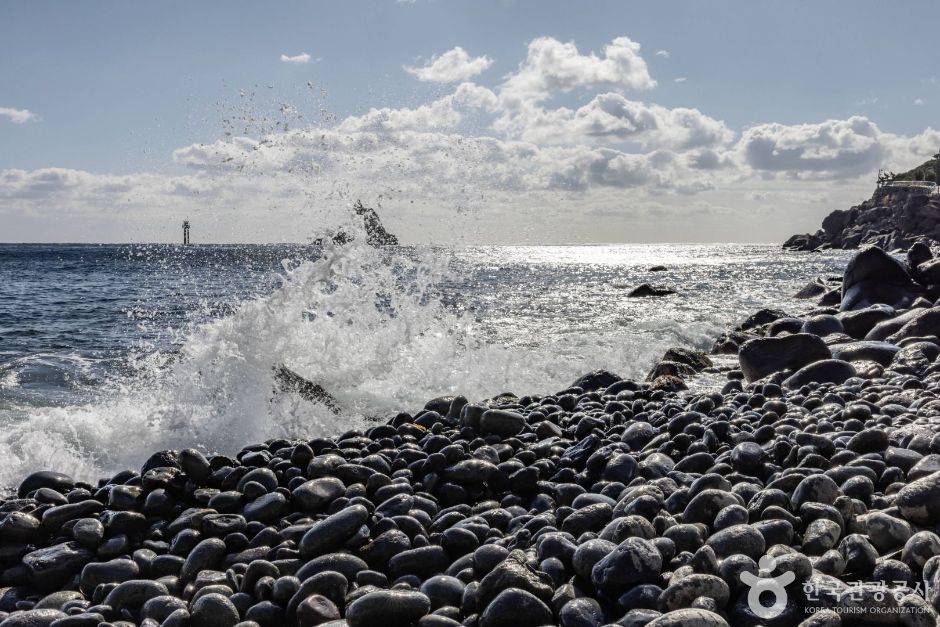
pixel 565 133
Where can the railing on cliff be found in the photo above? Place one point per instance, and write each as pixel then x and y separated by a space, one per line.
pixel 928 186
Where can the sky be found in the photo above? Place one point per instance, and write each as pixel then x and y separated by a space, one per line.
pixel 462 122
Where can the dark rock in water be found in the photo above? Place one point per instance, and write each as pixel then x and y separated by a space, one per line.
pixel 694 358
pixel 376 235
pixel 873 276
pixel 669 383
pixel 728 343
pixel 45 479
pixel 679 363
pixel 767 355
pixel 670 369
pixel 289 381
pixel 761 318
pixel 830 298
pixel 658 269
pixel 375 231
pixel 646 289
pixel 599 379
pixel 813 289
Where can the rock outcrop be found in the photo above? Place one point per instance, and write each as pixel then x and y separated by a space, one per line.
pixel 893 218
pixel 376 234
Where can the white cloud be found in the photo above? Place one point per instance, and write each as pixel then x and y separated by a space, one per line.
pixel 611 118
pixel 552 66
pixel 662 53
pixel 833 149
pixel 18 116
pixel 440 114
pixel 299 59
pixel 680 79
pixel 452 66
pixel 920 102
pixel 830 149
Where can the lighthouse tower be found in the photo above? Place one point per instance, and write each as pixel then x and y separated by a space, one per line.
pixel 185 232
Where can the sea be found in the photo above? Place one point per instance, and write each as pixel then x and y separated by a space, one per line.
pixel 109 353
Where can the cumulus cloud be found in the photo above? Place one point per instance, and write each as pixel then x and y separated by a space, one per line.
pixel 299 59
pixel 552 66
pixel 611 118
pixel 662 53
pixel 829 149
pixel 453 66
pixel 18 116
pixel 920 101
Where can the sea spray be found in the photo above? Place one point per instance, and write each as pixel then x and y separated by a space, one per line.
pixel 366 324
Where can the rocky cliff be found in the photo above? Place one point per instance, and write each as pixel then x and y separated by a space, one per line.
pixel 894 217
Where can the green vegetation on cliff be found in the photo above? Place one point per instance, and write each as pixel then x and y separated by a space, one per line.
pixel 927 171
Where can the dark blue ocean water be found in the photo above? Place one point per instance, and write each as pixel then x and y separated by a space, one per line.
pixel 108 352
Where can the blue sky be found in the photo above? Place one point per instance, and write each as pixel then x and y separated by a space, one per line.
pixel 114 88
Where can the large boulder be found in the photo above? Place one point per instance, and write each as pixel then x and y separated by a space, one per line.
pixel 766 355
pixel 874 276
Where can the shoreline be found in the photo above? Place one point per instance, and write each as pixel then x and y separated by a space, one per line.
pixel 610 501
